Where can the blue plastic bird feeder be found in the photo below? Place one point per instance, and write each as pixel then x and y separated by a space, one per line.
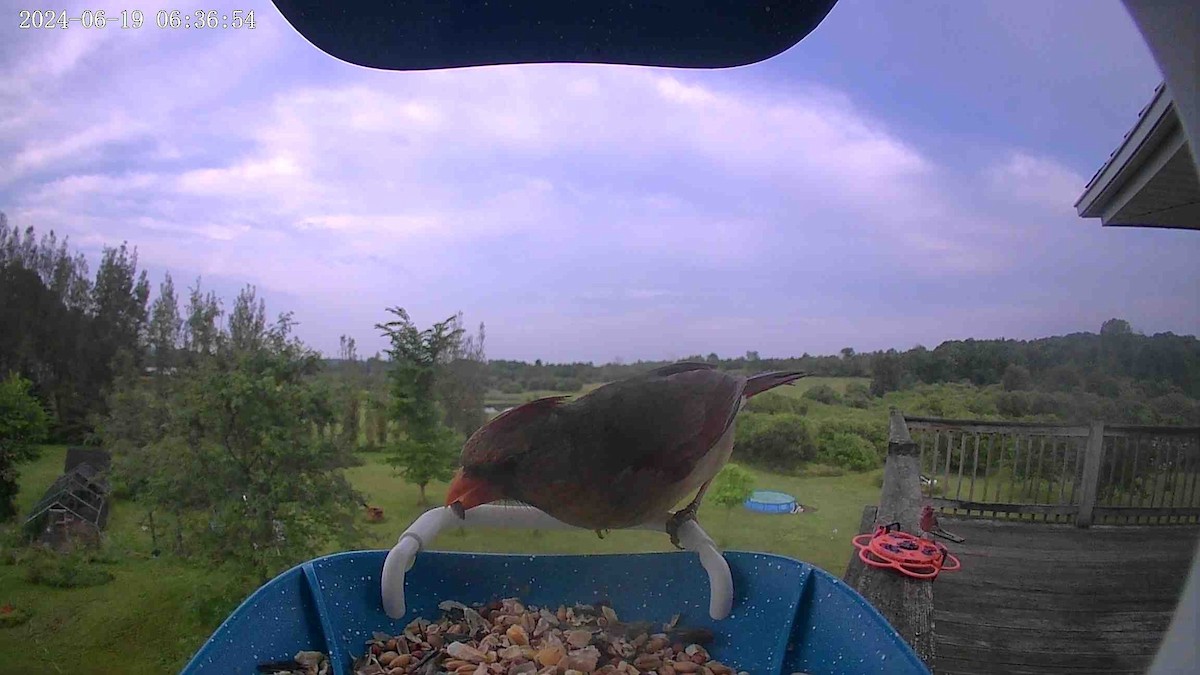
pixel 768 613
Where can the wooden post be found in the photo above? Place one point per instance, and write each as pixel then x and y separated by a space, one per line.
pixel 905 602
pixel 1090 481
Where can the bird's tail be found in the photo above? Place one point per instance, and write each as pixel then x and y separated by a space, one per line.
pixel 757 384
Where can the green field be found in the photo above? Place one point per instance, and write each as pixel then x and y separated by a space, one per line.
pixel 157 611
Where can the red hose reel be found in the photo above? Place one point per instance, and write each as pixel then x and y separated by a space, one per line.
pixel 907 554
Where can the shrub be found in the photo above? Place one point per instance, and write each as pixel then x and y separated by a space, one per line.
pixel 778 442
pixel 63 571
pixel 732 486
pixel 858 395
pixel 1012 404
pixel 823 393
pixel 773 403
pixel 874 432
pixel 848 450
pixel 23 423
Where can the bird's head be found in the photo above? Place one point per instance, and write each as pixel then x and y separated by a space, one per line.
pixel 468 491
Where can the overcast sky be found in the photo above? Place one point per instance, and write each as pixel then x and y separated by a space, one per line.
pixel 904 175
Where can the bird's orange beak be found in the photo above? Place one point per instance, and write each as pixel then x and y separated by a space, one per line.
pixel 467 492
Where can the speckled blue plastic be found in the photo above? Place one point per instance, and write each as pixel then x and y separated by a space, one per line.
pixel 787 615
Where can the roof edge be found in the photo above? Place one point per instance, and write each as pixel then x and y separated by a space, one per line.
pixel 1138 144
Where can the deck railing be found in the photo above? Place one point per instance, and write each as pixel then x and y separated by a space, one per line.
pixel 1082 474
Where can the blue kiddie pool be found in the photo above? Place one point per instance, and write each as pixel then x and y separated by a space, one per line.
pixel 767 613
pixel 770 501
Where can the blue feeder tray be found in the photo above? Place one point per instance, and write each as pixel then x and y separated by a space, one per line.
pixel 770 501
pixel 787 616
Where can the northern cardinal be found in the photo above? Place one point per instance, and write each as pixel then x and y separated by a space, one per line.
pixel 617 457
pixel 929 524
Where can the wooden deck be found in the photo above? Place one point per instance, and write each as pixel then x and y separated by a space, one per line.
pixel 1041 598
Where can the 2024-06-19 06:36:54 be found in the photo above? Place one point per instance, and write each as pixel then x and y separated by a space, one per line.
pixel 50 19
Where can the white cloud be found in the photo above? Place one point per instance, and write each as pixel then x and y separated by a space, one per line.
pixel 1040 180
pixel 661 203
pixel 678 92
pixel 69 148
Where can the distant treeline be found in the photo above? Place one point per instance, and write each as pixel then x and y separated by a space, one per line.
pixel 1116 374
pixel 1114 361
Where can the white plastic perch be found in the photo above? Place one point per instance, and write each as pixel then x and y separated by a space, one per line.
pixel 427 526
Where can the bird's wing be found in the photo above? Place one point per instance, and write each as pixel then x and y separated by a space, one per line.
pixel 506 437
pixel 661 422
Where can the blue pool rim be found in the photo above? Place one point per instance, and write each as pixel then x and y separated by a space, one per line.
pixel 770 501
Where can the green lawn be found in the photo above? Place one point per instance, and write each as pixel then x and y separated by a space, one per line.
pixel 157 612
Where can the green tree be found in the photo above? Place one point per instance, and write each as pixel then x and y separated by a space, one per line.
pixel 23 423
pixel 461 380
pixel 886 373
pixel 732 487
pixel 428 450
pixel 237 463
pixel 248 322
pixel 165 326
pixel 202 331
pixel 1017 378
pixel 119 299
pixel 1116 327
pixel 350 398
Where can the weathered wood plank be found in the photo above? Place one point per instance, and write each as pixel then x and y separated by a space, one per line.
pixel 1021 638
pixel 1091 662
pixel 1020 641
pixel 1142 430
pixel 905 602
pixel 971 666
pixel 1162 560
pixel 1146 587
pixel 985 426
pixel 1058 599
pixel 1091 475
pixel 996 595
pixel 1001 507
pixel 1145 512
pixel 1069 621
pixel 1045 536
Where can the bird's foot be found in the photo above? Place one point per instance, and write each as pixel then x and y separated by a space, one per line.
pixel 677 520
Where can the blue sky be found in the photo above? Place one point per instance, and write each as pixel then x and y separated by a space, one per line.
pixel 904 175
